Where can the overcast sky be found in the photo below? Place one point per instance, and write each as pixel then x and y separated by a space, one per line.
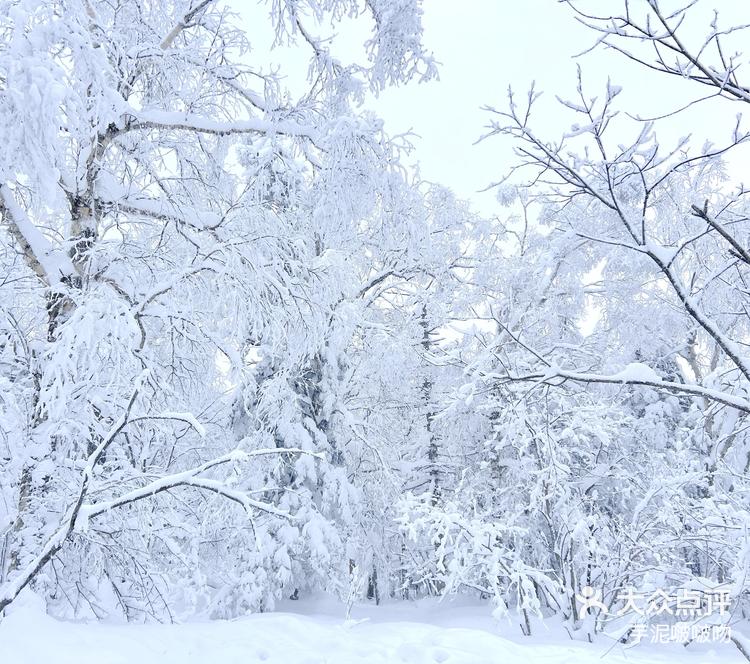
pixel 486 45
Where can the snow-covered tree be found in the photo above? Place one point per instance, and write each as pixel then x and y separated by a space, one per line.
pixel 172 223
pixel 601 416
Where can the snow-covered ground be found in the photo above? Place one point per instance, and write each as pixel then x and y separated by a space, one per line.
pixel 315 632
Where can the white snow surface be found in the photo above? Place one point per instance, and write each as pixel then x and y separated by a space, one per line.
pixel 316 632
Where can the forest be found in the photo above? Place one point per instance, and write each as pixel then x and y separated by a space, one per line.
pixel 248 355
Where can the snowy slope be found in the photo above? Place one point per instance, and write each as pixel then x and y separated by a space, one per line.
pixel 403 633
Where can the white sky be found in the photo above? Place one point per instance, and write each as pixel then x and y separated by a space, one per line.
pixel 486 45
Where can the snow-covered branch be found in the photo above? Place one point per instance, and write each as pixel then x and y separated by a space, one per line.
pixel 191 478
pixel 175 121
pixel 50 264
pixel 633 374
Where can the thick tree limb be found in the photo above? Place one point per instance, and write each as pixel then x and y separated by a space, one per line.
pixel 51 265
pixel 630 378
pixel 182 24
pixel 171 120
